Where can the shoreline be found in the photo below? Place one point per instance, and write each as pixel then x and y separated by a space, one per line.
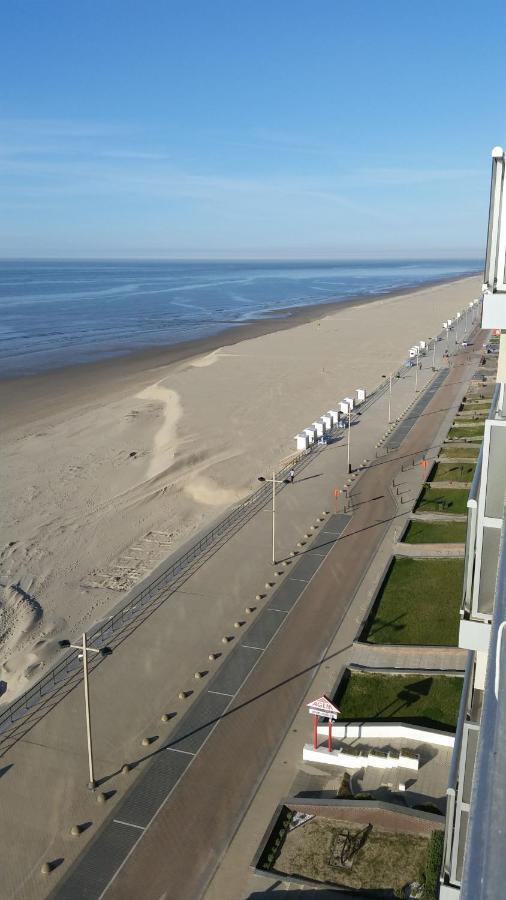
pixel 108 469
pixel 56 385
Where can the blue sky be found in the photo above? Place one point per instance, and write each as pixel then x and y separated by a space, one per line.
pixel 233 128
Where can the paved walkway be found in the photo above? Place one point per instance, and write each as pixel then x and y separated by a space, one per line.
pixel 427 551
pixel 439 517
pixel 441 485
pixel 263 709
pixel 381 656
pixel 231 879
pixel 45 772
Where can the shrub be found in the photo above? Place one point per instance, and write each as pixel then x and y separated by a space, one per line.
pixel 409 754
pixel 364 795
pixel 433 865
pixel 345 791
pixel 276 840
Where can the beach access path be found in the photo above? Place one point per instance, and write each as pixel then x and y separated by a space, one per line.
pixel 45 773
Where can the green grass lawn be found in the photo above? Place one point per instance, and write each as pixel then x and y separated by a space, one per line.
pixel 436 533
pixel 418 603
pixel 472 431
pixel 469 416
pixel 442 500
pixel 429 701
pixel 479 406
pixel 462 452
pixel 452 472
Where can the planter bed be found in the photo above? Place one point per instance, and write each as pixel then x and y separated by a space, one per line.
pixel 383 859
pixel 442 500
pixel 431 701
pixel 436 533
pixel 418 604
pixel 462 452
pixel 453 471
pixel 466 431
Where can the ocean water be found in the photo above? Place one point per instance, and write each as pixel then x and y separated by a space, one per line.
pixel 55 314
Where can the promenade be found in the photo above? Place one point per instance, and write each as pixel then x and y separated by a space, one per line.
pixel 193 817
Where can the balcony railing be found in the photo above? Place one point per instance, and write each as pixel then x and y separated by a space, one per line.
pixel 484 874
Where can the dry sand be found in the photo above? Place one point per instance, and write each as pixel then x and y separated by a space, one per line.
pixel 108 471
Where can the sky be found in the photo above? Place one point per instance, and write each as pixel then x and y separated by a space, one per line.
pixel 248 128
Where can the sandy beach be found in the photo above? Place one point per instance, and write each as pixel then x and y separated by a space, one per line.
pixel 107 469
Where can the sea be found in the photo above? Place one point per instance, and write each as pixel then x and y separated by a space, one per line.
pixel 60 313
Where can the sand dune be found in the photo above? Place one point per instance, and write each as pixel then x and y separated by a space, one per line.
pixel 94 497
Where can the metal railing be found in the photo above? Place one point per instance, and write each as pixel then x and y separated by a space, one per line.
pixel 484 872
pixel 103 633
pixel 132 609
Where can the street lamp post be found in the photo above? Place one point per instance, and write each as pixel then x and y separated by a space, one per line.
pixel 349 430
pixel 416 370
pixel 434 355
pixel 83 654
pixel 274 481
pixel 389 396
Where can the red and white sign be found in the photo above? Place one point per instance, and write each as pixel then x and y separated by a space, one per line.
pixel 323 707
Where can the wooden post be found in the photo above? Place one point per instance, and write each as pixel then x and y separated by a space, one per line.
pixel 330 735
pixel 315 732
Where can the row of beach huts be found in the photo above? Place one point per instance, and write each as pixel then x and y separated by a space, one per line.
pixel 318 430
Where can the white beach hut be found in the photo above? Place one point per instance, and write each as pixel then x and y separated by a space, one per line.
pixel 361 395
pixel 350 401
pixel 335 416
pixel 320 428
pixel 311 433
pixel 344 406
pixel 302 440
pixel 327 419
